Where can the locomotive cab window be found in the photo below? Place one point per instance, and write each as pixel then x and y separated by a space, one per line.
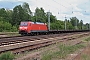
pixel 24 24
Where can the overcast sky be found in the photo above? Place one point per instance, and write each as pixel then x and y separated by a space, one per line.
pixel 59 8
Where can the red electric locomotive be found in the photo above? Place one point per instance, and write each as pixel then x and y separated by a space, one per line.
pixel 32 28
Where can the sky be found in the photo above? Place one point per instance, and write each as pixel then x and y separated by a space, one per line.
pixel 59 8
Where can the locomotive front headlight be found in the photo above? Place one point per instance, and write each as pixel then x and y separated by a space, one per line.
pixel 20 28
pixel 25 27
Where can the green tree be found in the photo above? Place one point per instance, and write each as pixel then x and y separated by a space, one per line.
pixel 3 14
pixel 53 18
pixel 21 13
pixel 58 25
pixel 68 25
pixel 18 15
pixel 9 15
pixel 40 15
pixel 81 25
pixel 87 26
pixel 27 10
pixel 75 22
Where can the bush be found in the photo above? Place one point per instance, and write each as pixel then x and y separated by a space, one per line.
pixel 7 56
pixel 7 27
pixel 14 29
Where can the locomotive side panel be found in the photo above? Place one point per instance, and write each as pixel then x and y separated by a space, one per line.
pixel 39 27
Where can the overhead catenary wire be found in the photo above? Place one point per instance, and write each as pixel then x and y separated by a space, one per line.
pixel 59 4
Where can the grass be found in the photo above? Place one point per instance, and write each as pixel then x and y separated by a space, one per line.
pixel 7 56
pixel 10 33
pixel 62 53
pixel 47 57
pixel 87 39
pixel 85 57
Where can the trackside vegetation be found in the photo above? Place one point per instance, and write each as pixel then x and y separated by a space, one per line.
pixel 88 39
pixel 7 56
pixel 10 19
pixel 86 55
pixel 64 50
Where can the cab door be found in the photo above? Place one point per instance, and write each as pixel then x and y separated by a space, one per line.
pixel 29 27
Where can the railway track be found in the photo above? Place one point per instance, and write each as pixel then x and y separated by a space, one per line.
pixel 12 43
pixel 20 39
pixel 72 39
pixel 26 43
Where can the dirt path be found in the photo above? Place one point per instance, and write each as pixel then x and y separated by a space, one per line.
pixel 84 54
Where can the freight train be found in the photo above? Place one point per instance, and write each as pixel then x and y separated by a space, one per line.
pixel 35 28
pixel 32 28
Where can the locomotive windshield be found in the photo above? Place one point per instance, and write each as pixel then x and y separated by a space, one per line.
pixel 24 24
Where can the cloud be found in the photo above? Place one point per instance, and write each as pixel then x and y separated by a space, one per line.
pixel 85 8
pixel 59 8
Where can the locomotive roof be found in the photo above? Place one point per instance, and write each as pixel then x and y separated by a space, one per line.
pixel 33 22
